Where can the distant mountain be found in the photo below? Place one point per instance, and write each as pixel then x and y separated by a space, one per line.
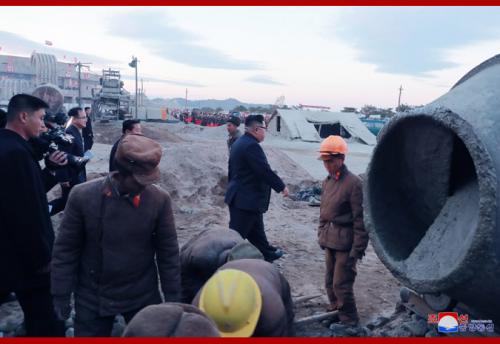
pixel 226 104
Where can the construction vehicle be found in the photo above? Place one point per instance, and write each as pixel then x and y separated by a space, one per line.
pixel 111 101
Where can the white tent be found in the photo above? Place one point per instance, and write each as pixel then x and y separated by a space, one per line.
pixel 312 126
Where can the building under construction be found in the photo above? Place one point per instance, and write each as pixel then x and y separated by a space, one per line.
pixel 23 74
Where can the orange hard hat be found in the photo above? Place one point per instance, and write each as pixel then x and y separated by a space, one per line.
pixel 332 145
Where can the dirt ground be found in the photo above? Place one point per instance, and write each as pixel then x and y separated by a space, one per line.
pixel 194 168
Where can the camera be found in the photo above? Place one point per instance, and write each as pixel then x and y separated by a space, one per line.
pixel 55 138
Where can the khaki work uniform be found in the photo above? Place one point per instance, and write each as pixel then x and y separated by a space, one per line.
pixel 342 234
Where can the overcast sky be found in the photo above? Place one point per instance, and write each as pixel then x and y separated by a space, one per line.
pixel 331 56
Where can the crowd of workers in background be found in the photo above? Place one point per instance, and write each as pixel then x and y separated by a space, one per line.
pixel 210 119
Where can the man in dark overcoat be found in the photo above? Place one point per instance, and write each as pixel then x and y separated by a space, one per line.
pixel 71 176
pixel 26 234
pixel 117 236
pixel 249 190
pixel 87 132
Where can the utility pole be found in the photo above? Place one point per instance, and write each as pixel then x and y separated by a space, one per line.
pixel 80 65
pixel 399 98
pixel 133 64
pixel 142 92
pixel 186 103
pixel 136 98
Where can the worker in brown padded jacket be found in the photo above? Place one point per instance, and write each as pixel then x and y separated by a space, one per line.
pixel 341 231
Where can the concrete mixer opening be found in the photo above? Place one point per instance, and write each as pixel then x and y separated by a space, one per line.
pixel 424 195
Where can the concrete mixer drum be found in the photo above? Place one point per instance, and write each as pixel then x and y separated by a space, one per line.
pixel 431 195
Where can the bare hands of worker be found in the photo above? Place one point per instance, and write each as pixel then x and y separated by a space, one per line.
pixel 285 192
pixel 58 158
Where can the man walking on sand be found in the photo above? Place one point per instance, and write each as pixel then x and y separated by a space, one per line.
pixel 249 189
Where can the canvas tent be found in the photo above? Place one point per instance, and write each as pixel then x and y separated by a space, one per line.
pixel 312 126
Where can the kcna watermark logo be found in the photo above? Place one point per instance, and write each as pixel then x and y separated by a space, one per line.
pixel 452 322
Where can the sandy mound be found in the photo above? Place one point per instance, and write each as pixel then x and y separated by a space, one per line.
pixel 109 132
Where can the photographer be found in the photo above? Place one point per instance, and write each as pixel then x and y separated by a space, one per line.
pixel 55 138
pixel 26 234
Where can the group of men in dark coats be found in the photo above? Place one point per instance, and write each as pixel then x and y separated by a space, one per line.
pixel 109 272
pixel 26 233
pixel 118 236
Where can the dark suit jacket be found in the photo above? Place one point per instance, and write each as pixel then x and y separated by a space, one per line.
pixel 88 135
pixel 77 148
pixel 250 176
pixel 26 234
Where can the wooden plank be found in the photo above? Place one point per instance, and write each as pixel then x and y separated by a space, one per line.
pixel 305 298
pixel 316 317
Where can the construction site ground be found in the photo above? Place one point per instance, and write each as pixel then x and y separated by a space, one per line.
pixel 194 172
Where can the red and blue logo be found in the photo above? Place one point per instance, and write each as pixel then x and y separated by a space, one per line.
pixel 447 322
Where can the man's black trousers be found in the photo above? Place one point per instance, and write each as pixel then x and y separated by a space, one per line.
pixel 39 316
pixel 250 225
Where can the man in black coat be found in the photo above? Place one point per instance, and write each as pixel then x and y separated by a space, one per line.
pixel 249 189
pixel 26 234
pixel 75 129
pixel 129 126
pixel 87 132
pixel 70 175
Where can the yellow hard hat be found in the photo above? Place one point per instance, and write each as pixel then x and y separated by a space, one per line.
pixel 332 145
pixel 233 300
